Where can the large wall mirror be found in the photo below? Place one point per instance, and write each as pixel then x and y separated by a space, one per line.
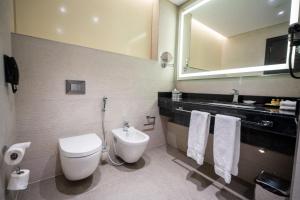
pixel 234 38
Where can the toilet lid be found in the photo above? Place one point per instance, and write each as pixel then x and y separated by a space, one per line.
pixel 80 146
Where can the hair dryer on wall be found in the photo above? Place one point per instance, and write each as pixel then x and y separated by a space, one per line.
pixel 294 38
pixel 11 72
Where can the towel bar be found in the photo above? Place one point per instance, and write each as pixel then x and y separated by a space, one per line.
pixel 264 123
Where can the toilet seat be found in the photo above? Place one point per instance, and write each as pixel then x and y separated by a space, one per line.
pixel 80 146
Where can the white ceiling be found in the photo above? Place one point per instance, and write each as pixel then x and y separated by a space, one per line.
pixel 232 17
pixel 178 2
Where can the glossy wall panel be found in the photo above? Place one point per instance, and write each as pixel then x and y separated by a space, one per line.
pixel 120 26
pixel 7 98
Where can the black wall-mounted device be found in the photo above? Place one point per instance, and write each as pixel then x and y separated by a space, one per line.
pixel 294 38
pixel 11 72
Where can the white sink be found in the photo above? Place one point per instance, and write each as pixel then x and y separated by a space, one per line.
pixel 130 145
pixel 232 105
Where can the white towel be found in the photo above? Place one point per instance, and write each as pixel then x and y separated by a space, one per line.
pixel 292 108
pixel 288 103
pixel 198 134
pixel 226 149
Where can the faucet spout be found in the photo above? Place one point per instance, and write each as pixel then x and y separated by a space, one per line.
pixel 126 127
pixel 235 96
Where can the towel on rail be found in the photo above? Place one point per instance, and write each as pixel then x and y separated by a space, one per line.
pixel 226 146
pixel 198 134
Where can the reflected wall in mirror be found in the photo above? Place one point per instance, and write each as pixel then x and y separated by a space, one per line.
pixel 225 36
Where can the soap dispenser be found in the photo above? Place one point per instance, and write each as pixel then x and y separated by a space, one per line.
pixel 176 95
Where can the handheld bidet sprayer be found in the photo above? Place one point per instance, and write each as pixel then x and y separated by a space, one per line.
pixel 104 99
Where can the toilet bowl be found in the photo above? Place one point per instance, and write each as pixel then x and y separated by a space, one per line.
pixel 130 145
pixel 80 155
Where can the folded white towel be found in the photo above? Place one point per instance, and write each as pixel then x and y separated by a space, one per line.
pixel 226 149
pixel 292 108
pixel 288 103
pixel 287 112
pixel 198 134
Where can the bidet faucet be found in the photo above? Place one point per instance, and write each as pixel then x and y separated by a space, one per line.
pixel 126 126
pixel 235 96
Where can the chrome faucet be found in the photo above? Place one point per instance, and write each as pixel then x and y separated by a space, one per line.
pixel 235 96
pixel 126 127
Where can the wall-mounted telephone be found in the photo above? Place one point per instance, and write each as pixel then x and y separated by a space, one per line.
pixel 294 38
pixel 11 72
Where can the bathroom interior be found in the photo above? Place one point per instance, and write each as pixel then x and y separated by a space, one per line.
pixel 149 99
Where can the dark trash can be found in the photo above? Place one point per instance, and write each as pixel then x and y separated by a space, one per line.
pixel 270 187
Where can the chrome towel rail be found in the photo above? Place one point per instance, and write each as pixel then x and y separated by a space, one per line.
pixel 263 123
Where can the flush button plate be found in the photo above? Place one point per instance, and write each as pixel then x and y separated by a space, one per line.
pixel 75 87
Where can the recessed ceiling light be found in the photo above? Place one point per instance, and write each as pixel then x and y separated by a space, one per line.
pixel 62 9
pixel 280 12
pixel 95 19
pixel 59 31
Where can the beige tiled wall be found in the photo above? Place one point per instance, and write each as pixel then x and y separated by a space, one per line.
pixel 7 103
pixel 251 161
pixel 45 113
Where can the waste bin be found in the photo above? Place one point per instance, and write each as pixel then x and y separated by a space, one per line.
pixel 270 187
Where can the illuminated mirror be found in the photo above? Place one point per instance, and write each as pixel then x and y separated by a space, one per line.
pixel 234 38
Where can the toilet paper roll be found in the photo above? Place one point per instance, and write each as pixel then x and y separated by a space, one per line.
pixel 18 180
pixel 14 155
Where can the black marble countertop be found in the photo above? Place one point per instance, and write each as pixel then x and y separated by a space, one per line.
pixel 280 136
pixel 258 107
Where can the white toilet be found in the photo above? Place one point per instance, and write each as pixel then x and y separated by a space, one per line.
pixel 80 155
pixel 130 144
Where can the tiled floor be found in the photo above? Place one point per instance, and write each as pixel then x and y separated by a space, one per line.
pixel 161 174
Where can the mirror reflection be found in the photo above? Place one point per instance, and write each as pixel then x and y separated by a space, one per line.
pixel 237 33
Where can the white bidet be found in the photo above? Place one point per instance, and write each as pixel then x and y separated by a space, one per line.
pixel 130 144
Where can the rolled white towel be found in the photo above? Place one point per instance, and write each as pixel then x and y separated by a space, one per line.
pixel 287 112
pixel 288 103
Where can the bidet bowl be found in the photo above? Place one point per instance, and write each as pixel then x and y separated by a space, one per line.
pixel 130 146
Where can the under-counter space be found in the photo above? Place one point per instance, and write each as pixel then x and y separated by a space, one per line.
pixel 263 127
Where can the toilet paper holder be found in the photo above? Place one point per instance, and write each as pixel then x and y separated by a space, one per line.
pixel 15 153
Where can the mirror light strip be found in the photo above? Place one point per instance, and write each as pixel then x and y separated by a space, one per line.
pixel 293 19
pixel 237 70
pixel 194 6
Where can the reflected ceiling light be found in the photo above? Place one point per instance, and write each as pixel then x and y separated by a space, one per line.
pixel 209 30
pixel 95 19
pixel 59 31
pixel 261 150
pixel 62 9
pixel 280 12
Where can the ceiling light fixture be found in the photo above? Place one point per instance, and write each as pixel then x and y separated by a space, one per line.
pixel 95 19
pixel 62 9
pixel 59 31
